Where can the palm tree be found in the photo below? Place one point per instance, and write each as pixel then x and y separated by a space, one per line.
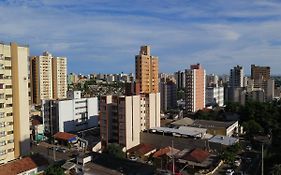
pixel 276 170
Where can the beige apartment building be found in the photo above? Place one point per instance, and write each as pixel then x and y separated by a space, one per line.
pixel 195 88
pixel 59 77
pixel 122 118
pixel 14 102
pixel 147 71
pixel 48 77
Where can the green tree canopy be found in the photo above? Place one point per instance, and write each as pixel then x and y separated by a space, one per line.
pixel 115 150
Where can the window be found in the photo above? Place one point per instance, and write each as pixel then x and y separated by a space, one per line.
pixel 2 152
pixel 2 124
pixel 2 105
pixel 2 143
pixel 2 133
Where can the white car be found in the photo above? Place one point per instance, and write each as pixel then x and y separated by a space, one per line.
pixel 237 163
pixel 229 172
pixel 249 148
pixel 133 158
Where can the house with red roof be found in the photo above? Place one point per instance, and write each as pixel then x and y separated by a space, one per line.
pixel 27 165
pixel 141 150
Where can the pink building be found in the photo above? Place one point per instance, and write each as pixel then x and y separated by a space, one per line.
pixel 195 88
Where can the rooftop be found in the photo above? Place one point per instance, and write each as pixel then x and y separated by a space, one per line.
pixel 196 155
pixel 21 165
pixel 141 149
pixel 64 136
pixel 183 131
pixel 224 140
pixel 169 151
pixel 183 122
pixel 212 124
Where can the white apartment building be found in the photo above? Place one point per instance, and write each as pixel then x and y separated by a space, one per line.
pixel 122 118
pixel 14 102
pixel 70 115
pixel 215 95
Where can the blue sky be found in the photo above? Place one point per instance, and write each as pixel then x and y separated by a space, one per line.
pixel 105 35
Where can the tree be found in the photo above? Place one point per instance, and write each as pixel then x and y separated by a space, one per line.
pixel 252 127
pixel 276 170
pixel 54 170
pixel 115 150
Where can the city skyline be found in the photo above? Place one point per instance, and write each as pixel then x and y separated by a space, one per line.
pixel 99 36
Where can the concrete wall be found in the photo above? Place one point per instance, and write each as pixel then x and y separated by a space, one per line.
pixel 20 99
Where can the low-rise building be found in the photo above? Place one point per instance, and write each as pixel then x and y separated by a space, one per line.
pixel 28 165
pixel 218 127
pixel 70 115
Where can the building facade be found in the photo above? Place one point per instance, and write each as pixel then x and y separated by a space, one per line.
pixel 261 77
pixel 48 77
pixel 195 88
pixel 70 115
pixel 14 102
pixel 180 79
pixel 122 118
pixel 59 69
pixel 147 71
pixel 215 96
pixel 236 78
pixel 168 91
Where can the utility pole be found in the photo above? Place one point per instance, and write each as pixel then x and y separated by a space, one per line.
pixel 262 159
pixel 173 160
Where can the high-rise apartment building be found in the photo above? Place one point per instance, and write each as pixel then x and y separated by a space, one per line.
pixel 122 118
pixel 147 71
pixel 215 96
pixel 261 78
pixel 180 79
pixel 212 80
pixel 195 88
pixel 59 69
pixel 14 102
pixel 48 77
pixel 168 91
pixel 236 78
pixel 260 72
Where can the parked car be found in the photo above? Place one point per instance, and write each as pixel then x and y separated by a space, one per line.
pixel 133 158
pixel 229 172
pixel 62 150
pixel 237 163
pixel 248 148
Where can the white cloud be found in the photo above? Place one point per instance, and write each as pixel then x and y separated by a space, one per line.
pixel 97 33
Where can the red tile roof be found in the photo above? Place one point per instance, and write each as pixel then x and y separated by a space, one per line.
pixel 64 136
pixel 141 149
pixel 164 151
pixel 22 165
pixel 197 155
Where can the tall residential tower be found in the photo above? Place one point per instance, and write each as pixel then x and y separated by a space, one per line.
pixel 48 77
pixel 195 88
pixel 14 102
pixel 147 71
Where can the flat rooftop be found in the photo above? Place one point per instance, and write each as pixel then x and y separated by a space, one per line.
pixel 182 130
pixel 212 124
pixel 224 140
